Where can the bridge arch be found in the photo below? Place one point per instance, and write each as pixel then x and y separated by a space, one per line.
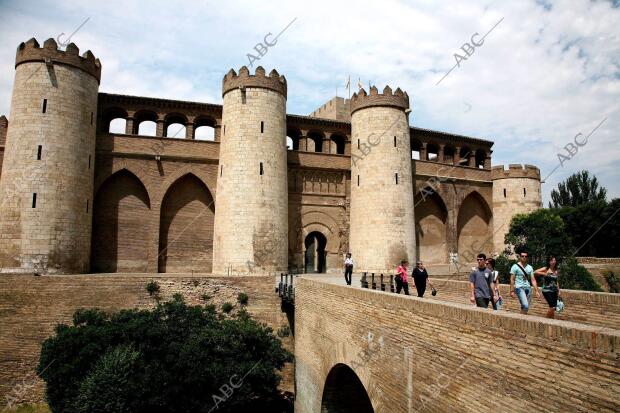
pixel 344 392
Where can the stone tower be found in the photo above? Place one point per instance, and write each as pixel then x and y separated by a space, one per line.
pixel 46 189
pixel 382 221
pixel 515 191
pixel 251 209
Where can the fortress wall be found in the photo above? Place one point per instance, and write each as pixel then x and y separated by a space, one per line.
pixel 601 309
pixel 415 354
pixel 30 307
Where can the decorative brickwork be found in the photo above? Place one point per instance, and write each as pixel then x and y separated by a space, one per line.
pixel 32 52
pixel 274 82
pixel 361 99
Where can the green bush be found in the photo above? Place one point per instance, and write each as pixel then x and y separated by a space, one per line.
pixel 574 276
pixel 153 288
pixel 503 264
pixel 205 297
pixel 172 358
pixel 284 331
pixel 242 298
pixel 612 281
pixel 227 307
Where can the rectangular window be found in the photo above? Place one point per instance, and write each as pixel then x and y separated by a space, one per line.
pixel 242 95
pixel 224 130
pixel 221 169
pixel 358 180
pixel 262 126
pixel 504 192
pixel 34 200
pixel 261 168
pixel 396 178
pixel 39 150
pixel 44 106
pixel 523 191
pixel 358 144
pixel 395 141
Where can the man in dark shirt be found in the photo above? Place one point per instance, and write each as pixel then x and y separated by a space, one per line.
pixel 420 277
pixel 479 284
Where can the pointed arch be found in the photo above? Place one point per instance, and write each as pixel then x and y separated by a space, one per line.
pixel 474 233
pixel 186 226
pixel 431 217
pixel 121 226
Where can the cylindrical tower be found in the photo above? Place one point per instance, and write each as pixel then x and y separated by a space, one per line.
pixel 515 191
pixel 46 189
pixel 251 209
pixel 382 227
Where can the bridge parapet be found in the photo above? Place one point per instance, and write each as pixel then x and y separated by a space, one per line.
pixel 410 354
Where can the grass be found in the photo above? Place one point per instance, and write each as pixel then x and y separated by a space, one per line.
pixel 29 408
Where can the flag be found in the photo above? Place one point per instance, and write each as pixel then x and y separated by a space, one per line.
pixel 359 83
pixel 348 85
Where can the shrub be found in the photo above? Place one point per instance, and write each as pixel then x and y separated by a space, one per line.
pixel 173 358
pixel 153 288
pixel 195 282
pixel 206 297
pixel 612 281
pixel 284 331
pixel 242 298
pixel 227 307
pixel 503 264
pixel 576 277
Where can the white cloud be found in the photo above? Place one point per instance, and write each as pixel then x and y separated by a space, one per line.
pixel 541 76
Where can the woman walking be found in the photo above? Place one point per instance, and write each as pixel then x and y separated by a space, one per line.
pixel 401 277
pixel 551 285
pixel 494 284
pixel 420 278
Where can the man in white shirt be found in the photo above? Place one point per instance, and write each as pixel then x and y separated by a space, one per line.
pixel 348 268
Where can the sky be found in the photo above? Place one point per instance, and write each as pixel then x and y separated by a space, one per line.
pixel 529 75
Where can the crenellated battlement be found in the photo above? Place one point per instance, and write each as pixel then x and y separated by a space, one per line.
pixel 31 51
pixel 361 99
pixel 274 81
pixel 515 171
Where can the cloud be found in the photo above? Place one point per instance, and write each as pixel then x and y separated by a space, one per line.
pixel 548 71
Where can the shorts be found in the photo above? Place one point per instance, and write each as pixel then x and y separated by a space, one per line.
pixel 551 297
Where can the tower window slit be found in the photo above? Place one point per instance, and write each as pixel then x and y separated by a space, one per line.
pixel 221 169
pixel 44 106
pixel 87 206
pixel 523 191
pixel 396 178
pixel 89 161
pixel 358 180
pixel 39 150
pixel 395 141
pixel 261 168
pixel 34 200
pixel 504 192
pixel 358 144
pixel 262 126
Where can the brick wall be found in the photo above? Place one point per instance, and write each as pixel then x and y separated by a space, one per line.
pixel 415 354
pixel 30 307
pixel 601 309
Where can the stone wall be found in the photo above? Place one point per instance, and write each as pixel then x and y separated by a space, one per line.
pixel 414 354
pixel 4 125
pixel 30 307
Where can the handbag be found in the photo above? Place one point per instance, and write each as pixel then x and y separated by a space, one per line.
pixel 433 291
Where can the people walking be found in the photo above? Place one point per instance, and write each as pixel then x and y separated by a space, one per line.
pixel 348 268
pixel 520 275
pixel 494 284
pixel 420 278
pixel 401 277
pixel 551 285
pixel 479 285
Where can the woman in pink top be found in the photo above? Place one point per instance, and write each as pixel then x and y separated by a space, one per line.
pixel 401 277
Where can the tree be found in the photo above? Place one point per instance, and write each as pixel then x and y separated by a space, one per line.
pixel 577 189
pixel 540 233
pixel 173 358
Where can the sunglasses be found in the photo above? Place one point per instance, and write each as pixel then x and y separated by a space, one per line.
pixel 523 256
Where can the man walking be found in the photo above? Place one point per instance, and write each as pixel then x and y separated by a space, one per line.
pixel 520 274
pixel 479 284
pixel 348 268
